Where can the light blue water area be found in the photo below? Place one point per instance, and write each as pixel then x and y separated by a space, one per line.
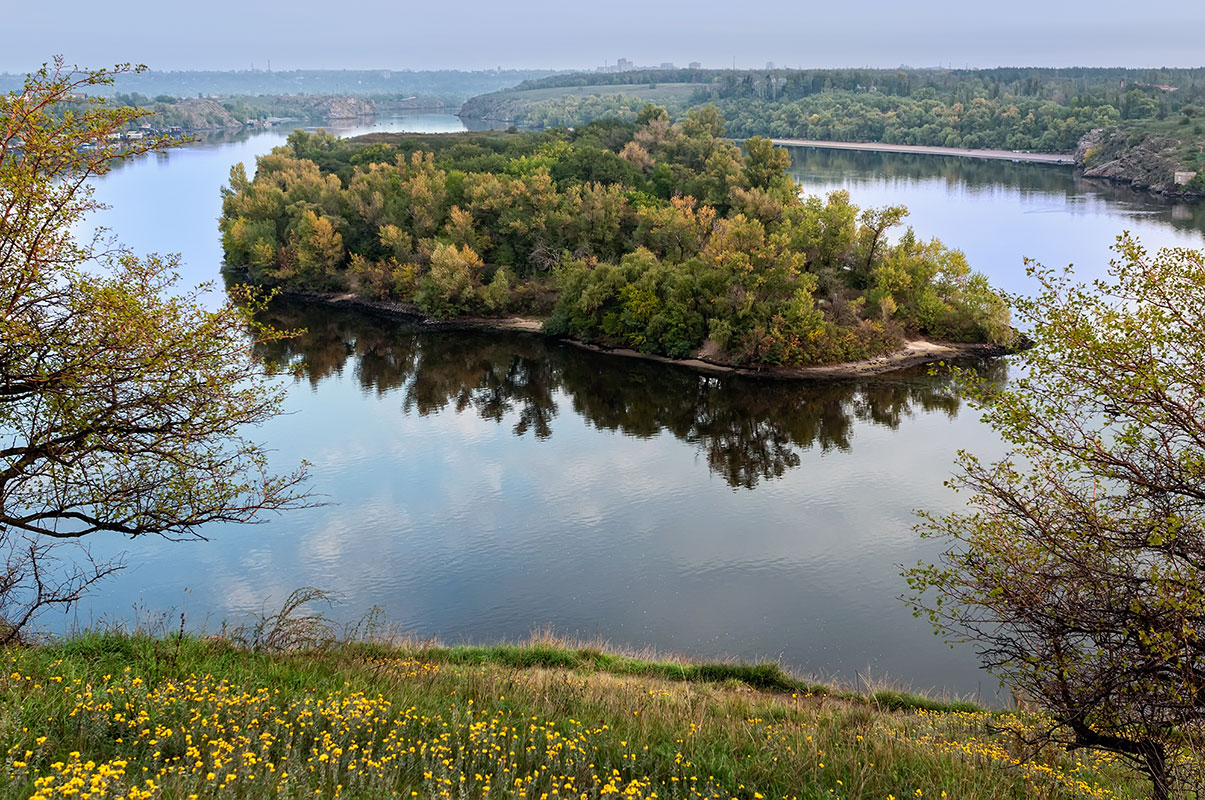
pixel 1000 213
pixel 171 202
pixel 479 485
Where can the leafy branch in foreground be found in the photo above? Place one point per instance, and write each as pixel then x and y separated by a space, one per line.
pixel 1079 568
pixel 122 402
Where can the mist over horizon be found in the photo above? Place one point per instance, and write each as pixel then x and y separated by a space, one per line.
pixel 536 34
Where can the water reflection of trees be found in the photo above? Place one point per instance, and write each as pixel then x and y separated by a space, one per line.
pixel 748 430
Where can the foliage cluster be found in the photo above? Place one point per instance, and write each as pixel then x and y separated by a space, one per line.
pixel 647 234
pixel 568 110
pixel 141 717
pixel 1004 123
pixel 1078 567
pixel 1049 83
pixel 1006 108
pixel 204 112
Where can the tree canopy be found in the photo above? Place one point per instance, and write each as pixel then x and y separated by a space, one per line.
pixel 647 234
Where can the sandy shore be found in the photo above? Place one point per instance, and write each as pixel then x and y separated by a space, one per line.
pixel 913 353
pixel 1003 155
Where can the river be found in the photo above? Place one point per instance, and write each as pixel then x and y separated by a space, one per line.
pixel 477 486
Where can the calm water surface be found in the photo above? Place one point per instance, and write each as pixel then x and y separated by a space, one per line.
pixel 482 485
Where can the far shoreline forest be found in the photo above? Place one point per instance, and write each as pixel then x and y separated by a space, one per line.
pixel 1136 126
pixel 658 236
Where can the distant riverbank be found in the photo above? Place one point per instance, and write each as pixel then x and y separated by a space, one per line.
pixel 961 152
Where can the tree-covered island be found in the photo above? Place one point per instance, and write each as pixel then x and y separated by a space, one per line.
pixel 665 238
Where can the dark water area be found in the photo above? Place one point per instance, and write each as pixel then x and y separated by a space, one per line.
pixel 479 484
pixel 746 430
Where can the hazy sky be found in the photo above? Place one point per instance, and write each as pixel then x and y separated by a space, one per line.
pixel 476 34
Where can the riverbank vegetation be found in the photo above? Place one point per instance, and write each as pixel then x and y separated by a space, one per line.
pixel 138 716
pixel 124 401
pixel 1147 120
pixel 662 237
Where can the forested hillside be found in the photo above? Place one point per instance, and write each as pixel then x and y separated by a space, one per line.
pixel 1046 110
pixel 657 236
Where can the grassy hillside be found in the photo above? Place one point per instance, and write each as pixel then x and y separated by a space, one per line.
pixel 135 716
pixel 574 105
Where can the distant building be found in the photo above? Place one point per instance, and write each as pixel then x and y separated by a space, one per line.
pixel 667 65
pixel 624 65
pixel 769 65
pixel 1182 178
pixel 695 65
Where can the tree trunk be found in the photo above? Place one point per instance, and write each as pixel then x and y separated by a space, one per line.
pixel 1156 767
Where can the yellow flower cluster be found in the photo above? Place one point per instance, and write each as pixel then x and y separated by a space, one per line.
pixel 428 730
pixel 960 733
pixel 202 738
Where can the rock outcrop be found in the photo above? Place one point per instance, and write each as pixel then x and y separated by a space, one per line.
pixel 497 106
pixel 334 107
pixel 1143 161
pixel 194 114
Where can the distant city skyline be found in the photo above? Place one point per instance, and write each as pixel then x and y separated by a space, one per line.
pixel 540 34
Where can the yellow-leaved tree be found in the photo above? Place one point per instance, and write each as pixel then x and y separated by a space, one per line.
pixel 123 400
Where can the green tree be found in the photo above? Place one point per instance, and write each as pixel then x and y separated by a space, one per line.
pixel 766 165
pixel 1079 568
pixel 122 402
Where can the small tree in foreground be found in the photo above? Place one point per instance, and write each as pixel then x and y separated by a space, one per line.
pixel 122 402
pixel 1079 568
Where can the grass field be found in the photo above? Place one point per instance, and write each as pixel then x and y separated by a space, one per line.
pixel 138 716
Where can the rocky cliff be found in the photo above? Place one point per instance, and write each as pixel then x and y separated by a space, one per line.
pixel 194 115
pixel 1142 160
pixel 334 107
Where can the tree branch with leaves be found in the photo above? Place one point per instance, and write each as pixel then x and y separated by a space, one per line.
pixel 123 401
pixel 1078 569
